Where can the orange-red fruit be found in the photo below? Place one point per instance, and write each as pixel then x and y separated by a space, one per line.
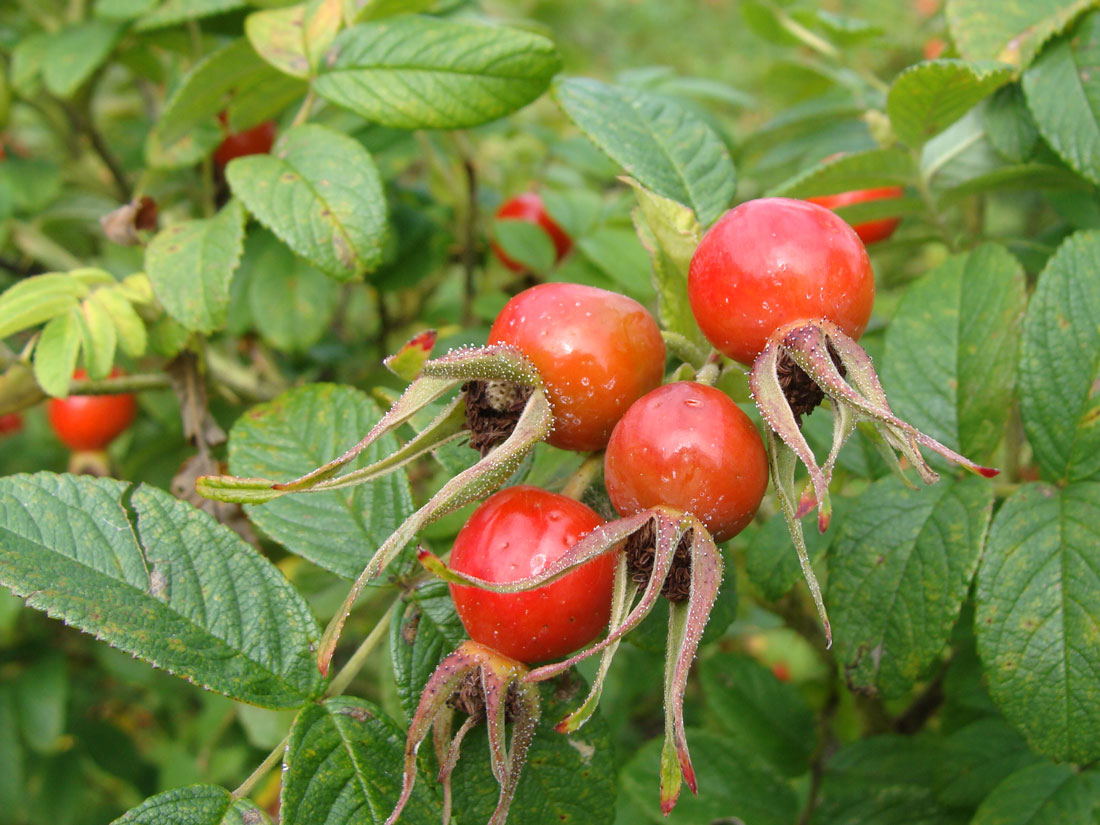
pixel 10 423
pixel 597 352
pixel 530 208
pixel 91 422
pixel 255 141
pixel 688 446
pixel 773 261
pixel 869 231
pixel 515 534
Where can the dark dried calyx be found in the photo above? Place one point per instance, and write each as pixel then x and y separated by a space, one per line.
pixel 469 697
pixel 802 393
pixel 640 547
pixel 492 410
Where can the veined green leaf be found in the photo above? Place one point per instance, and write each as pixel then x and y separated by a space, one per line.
pixel 194 805
pixel 927 98
pixel 75 53
pixel 171 12
pixel 56 352
pixel 1009 32
pixel 293 39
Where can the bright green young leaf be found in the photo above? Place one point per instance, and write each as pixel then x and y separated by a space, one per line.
pixel 733 781
pixel 662 145
pixel 884 780
pixel 75 53
pixel 1038 608
pixel 127 324
pixel 99 339
pixel 343 765
pixel 617 253
pixel 525 243
pixel 414 72
pixel 1060 363
pixel 670 232
pixel 764 715
pixel 1063 91
pixel 1009 125
pixel 293 39
pixel 1043 794
pixel 426 631
pixel 33 301
pixel 301 430
pixel 360 11
pixel 194 805
pixel 927 98
pixel 171 12
pixel 184 592
pixel 191 264
pixel 1011 32
pixel 859 170
pixel 566 779
pixel 975 760
pixel 320 192
pixel 56 352
pixel 950 361
pixel 898 574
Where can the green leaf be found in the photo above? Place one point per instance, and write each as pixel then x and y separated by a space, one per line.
pixel 31 183
pixel 526 243
pixel 42 694
pixel 299 431
pixel 98 338
pixel 75 53
pixel 566 779
pixel 884 780
pixel 343 765
pixel 764 715
pixel 129 327
pixel 1009 125
pixel 1038 607
pixel 12 778
pixel 56 352
pixel 670 232
pixel 427 630
pixel 1060 363
pixel 898 574
pixel 191 264
pixel 1011 32
pixel 771 561
pixel 150 574
pixel 1062 89
pixel 414 72
pixel 927 98
pixel 1043 794
pixel 360 11
pixel 618 254
pixel 976 758
pixel 194 805
pixel 172 12
pixel 36 300
pixel 858 170
pixel 293 39
pixel 732 782
pixel 950 362
pixel 664 146
pixel 320 192
pixel 123 9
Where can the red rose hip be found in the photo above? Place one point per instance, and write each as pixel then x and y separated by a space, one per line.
pixel 869 231
pixel 597 353
pixel 691 447
pixel 514 534
pixel 529 207
pixel 91 422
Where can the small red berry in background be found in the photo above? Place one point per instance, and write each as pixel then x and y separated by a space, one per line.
pixel 530 208
pixel 255 141
pixel 934 47
pixel 870 231
pixel 91 422
pixel 514 534
pixel 691 447
pixel 10 423
pixel 597 352
pixel 771 262
pixel 781 671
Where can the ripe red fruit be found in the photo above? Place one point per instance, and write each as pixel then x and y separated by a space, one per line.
pixel 773 261
pixel 689 446
pixel 514 534
pixel 255 141
pixel 597 352
pixel 530 208
pixel 933 48
pixel 91 422
pixel 869 231
pixel 10 423
pixel 781 671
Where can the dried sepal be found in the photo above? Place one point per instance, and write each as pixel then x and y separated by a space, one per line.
pixel 408 361
pixel 504 698
pixel 470 485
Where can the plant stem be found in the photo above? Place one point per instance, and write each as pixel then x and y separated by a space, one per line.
pixel 348 672
pixel 925 192
pixel 582 479
pixel 469 241
pixel 120 384
pixel 305 109
pixel 263 770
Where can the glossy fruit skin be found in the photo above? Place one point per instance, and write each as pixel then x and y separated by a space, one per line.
pixel 530 208
pixel 514 534
pixel 870 231
pixel 91 422
pixel 773 261
pixel 255 141
pixel 691 447
pixel 597 352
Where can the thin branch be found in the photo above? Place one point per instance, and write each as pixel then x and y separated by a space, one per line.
pixel 349 671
